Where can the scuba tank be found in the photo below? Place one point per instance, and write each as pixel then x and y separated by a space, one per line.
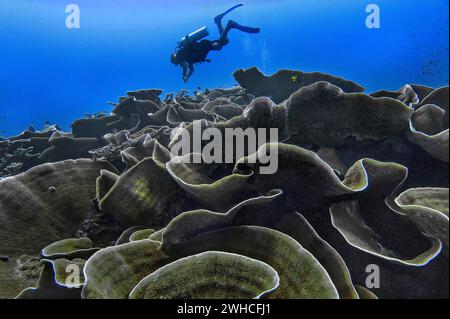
pixel 195 36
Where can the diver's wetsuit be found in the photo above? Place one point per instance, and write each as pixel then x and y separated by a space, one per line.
pixel 197 52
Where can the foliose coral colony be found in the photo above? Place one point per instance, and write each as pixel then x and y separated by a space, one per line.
pixel 108 211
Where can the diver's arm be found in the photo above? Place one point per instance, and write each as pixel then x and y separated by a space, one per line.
pixel 186 74
pixel 185 70
pixel 191 70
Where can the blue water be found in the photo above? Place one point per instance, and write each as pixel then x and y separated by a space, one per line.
pixel 51 73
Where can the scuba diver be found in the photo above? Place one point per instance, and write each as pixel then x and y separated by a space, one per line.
pixel 191 50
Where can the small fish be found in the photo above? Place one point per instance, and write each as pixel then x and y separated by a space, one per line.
pixel 294 78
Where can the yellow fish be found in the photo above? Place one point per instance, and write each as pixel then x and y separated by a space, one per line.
pixel 294 78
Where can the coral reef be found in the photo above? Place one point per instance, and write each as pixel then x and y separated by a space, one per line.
pixel 110 210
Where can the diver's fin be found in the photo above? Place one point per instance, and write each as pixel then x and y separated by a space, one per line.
pixel 219 18
pixel 235 25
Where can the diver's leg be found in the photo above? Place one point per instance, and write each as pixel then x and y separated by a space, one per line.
pixel 219 25
pixel 218 19
pixel 234 25
pixel 223 40
pixel 206 45
pixel 218 44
